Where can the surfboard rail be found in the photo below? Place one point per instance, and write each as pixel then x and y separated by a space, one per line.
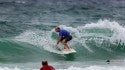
pixel 68 52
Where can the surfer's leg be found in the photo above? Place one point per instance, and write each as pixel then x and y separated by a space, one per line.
pixel 65 45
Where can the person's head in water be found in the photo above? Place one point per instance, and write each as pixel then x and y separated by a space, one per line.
pixel 57 29
pixel 44 63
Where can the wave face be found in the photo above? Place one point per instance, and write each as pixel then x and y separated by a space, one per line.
pixel 11 51
pixel 96 41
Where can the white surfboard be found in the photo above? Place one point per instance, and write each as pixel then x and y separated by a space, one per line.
pixel 60 50
pixel 68 52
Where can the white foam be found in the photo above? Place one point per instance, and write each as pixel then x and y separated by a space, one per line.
pixel 73 68
pixel 39 38
pixel 118 30
pixel 7 68
pixel 96 68
pixel 115 27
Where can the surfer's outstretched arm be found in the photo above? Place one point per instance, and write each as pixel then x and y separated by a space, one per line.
pixel 59 40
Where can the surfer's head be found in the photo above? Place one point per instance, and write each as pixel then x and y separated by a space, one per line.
pixel 44 63
pixel 57 29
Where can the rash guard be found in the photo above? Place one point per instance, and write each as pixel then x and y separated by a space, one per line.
pixel 64 33
pixel 47 67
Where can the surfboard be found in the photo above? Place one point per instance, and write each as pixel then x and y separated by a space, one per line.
pixel 60 50
pixel 68 52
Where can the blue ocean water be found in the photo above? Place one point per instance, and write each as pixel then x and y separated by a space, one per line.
pixel 27 34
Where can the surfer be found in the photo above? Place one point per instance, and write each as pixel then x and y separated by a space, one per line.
pixel 64 37
pixel 45 66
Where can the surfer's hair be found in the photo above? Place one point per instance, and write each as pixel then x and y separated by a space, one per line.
pixel 57 27
pixel 44 62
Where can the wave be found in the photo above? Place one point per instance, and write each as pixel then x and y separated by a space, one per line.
pixel 74 68
pixel 96 39
pixel 52 12
pixel 12 51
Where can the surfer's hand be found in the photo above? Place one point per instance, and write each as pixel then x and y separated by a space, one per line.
pixel 56 45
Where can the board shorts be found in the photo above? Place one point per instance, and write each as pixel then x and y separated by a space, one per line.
pixel 68 38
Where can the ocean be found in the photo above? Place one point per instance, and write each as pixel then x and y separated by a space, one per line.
pixel 27 34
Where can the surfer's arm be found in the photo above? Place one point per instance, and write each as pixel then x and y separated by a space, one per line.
pixel 59 40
